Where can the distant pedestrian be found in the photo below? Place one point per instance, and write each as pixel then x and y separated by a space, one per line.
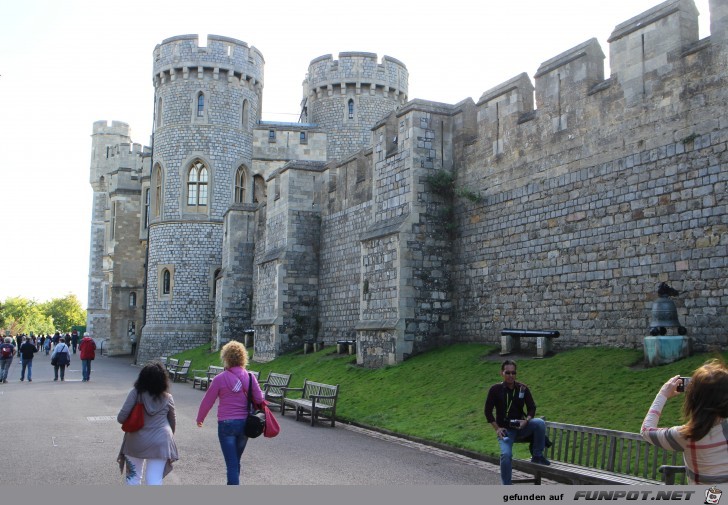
pixel 56 338
pixel 154 443
pixel 60 359
pixel 47 344
pixel 67 339
pixel 7 351
pixel 74 340
pixel 26 351
pixel 88 353
pixel 132 339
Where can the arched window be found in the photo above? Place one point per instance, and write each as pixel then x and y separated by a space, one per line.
pixel 132 299
pixel 159 112
pixel 351 108
pixel 200 104
pixel 246 114
pixel 197 184
pixel 166 282
pixel 158 193
pixel 240 185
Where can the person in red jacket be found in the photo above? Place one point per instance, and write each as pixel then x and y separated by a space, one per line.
pixel 88 353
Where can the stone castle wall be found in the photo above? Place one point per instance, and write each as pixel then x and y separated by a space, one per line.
pixel 574 195
pixel 603 191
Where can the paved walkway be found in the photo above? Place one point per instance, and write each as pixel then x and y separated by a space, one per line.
pixel 67 432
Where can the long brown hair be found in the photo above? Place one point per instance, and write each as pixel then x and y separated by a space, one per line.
pixel 706 399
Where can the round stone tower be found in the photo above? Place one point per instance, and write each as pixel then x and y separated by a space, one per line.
pixel 346 97
pixel 207 101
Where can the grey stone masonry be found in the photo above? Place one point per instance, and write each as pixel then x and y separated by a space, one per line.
pixel 347 96
pixel 559 201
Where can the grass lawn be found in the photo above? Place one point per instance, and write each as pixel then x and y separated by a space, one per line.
pixel 439 395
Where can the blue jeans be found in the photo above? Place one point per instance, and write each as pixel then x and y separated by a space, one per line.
pixel 5 368
pixel 232 442
pixel 86 369
pixel 26 363
pixel 535 426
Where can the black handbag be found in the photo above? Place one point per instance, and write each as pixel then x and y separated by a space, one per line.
pixel 255 423
pixel 60 358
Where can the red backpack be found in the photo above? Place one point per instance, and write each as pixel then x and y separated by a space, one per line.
pixel 6 351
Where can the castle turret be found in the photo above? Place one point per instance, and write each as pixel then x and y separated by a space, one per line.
pixel 207 100
pixel 116 262
pixel 346 97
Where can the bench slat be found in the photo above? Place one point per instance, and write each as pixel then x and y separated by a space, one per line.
pixel 600 455
pixel 316 398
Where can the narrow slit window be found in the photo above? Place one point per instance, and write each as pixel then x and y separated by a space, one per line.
pixel 159 112
pixel 158 191
pixel 200 105
pixel 166 282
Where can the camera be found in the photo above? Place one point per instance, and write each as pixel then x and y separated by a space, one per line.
pixel 682 384
pixel 514 423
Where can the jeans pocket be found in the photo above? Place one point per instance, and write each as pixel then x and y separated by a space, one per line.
pixel 231 427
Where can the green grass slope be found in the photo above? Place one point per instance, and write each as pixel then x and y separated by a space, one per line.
pixel 439 395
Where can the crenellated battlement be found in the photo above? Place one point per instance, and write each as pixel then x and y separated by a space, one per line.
pixel 359 70
pixel 648 46
pixel 647 53
pixel 116 128
pixel 182 57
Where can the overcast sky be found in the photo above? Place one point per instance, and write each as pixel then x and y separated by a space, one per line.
pixel 67 63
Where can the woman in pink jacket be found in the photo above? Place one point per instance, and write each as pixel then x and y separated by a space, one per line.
pixel 232 388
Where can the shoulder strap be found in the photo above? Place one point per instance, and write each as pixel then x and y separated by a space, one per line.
pixel 250 386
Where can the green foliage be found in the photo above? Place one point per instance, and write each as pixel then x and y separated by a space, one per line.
pixel 439 395
pixel 65 312
pixel 442 183
pixel 21 315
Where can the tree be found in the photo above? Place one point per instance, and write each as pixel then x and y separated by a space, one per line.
pixel 21 315
pixel 65 312
pixel 18 312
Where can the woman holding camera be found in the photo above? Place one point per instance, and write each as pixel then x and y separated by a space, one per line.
pixel 704 436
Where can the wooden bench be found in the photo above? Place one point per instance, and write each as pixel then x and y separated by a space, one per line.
pixel 273 388
pixel 180 372
pixel 587 455
pixel 511 340
pixel 170 364
pixel 317 400
pixel 198 379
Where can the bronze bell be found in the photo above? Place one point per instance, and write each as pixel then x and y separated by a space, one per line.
pixel 664 315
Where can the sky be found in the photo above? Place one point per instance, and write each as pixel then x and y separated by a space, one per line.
pixel 65 64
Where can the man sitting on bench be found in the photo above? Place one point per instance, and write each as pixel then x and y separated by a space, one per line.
pixel 508 398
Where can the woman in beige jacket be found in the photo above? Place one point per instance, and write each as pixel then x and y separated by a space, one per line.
pixel 154 442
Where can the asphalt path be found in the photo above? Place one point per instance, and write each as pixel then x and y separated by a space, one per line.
pixel 67 433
